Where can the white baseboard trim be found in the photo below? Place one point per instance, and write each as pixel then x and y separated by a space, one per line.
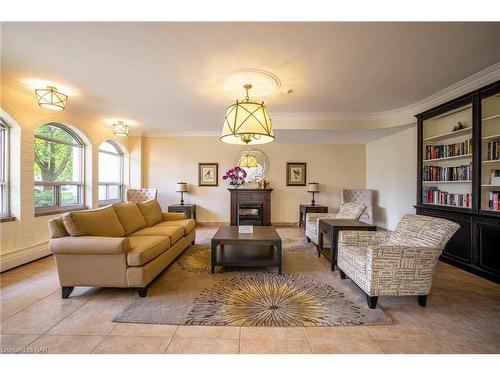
pixel 19 257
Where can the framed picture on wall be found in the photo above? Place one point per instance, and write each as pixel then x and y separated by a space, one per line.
pixel 296 174
pixel 208 174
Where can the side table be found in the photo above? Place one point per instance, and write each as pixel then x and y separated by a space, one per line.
pixel 304 209
pixel 188 209
pixel 332 227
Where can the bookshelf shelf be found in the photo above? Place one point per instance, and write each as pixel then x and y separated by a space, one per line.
pixel 449 135
pixel 490 186
pixel 447 205
pixel 446 182
pixel 491 117
pixel 491 161
pixel 491 137
pixel 448 158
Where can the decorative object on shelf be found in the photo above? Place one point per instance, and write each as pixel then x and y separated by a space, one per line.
pixel 208 174
pixel 460 126
pixel 247 122
pixel 182 188
pixel 495 177
pixel 50 98
pixel 296 174
pixel 236 176
pixel 255 163
pixel 263 184
pixel 313 187
pixel 120 128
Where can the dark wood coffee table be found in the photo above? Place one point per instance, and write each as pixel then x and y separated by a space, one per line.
pixel 262 248
pixel 332 227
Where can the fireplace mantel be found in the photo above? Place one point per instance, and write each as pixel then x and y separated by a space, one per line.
pixel 251 198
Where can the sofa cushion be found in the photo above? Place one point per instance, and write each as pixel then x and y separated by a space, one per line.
pixel 130 217
pixel 144 249
pixel 99 222
pixel 187 224
pixel 151 211
pixel 173 233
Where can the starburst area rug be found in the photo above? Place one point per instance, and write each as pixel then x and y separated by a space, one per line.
pixel 307 293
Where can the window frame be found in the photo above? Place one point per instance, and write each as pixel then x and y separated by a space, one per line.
pixel 121 155
pixel 56 207
pixel 5 215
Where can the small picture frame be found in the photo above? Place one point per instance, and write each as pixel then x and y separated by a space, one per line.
pixel 208 174
pixel 296 174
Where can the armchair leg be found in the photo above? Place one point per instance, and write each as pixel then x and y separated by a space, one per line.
pixel 372 301
pixel 143 292
pixel 308 240
pixel 343 276
pixel 66 291
pixel 192 242
pixel 422 300
pixel 317 249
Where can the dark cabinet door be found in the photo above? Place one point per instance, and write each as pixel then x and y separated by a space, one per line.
pixel 459 247
pixel 488 242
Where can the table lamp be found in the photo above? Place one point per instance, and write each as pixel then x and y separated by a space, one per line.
pixel 313 187
pixel 182 188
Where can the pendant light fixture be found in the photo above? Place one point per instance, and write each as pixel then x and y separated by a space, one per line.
pixel 50 98
pixel 247 122
pixel 120 128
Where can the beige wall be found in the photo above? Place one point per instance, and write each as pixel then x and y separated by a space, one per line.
pixel 168 160
pixel 391 170
pixel 26 238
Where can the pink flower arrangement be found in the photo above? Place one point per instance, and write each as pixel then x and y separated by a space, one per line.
pixel 236 176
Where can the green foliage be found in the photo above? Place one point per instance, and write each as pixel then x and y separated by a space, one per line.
pixel 53 161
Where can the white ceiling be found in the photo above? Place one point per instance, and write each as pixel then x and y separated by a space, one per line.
pixel 164 75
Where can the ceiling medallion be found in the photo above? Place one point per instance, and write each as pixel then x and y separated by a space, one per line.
pixel 247 122
pixel 50 98
pixel 264 82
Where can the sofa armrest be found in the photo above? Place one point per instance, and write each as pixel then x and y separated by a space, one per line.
pixel 170 216
pixel 362 237
pixel 89 245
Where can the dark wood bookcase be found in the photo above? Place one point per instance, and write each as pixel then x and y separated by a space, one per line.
pixel 455 176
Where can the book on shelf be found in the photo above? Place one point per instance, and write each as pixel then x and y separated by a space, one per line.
pixel 448 150
pixel 432 195
pixel 493 150
pixel 437 173
pixel 495 177
pixel 494 200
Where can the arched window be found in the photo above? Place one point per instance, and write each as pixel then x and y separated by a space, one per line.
pixel 110 173
pixel 4 170
pixel 58 169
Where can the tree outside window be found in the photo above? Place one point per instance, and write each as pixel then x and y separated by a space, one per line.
pixel 58 168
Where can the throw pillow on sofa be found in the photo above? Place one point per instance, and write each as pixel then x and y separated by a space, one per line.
pixel 130 217
pixel 151 211
pixel 99 222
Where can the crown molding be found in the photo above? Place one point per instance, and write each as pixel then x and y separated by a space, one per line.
pixel 474 82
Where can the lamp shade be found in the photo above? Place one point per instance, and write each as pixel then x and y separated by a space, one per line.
pixel 248 161
pixel 50 98
pixel 120 128
pixel 313 187
pixel 182 187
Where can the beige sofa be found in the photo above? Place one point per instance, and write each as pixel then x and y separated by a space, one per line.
pixel 122 245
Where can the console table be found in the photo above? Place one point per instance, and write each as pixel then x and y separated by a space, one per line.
pixel 304 209
pixel 188 209
pixel 332 227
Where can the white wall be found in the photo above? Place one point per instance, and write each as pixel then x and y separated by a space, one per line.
pixel 168 160
pixel 391 170
pixel 25 239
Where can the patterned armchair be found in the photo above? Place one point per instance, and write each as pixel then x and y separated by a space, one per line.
pixel 140 195
pixel 361 196
pixel 347 211
pixel 399 263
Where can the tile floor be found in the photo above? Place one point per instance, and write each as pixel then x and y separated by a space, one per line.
pixel 462 316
